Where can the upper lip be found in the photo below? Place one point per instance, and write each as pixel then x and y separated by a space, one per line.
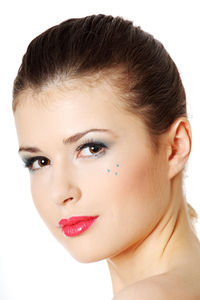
pixel 74 220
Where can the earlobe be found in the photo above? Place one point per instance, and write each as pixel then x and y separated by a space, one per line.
pixel 180 137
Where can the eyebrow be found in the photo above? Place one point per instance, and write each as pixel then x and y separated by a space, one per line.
pixel 70 140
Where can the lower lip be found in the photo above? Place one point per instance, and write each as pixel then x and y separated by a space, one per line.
pixel 77 228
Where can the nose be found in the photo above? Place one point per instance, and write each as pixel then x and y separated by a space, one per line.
pixel 63 189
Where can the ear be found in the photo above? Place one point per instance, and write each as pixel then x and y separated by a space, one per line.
pixel 179 147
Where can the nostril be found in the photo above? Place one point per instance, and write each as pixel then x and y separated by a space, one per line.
pixel 67 199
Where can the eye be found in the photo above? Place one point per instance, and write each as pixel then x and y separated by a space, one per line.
pixel 35 163
pixel 94 148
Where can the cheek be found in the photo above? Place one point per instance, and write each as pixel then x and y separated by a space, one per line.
pixel 45 207
pixel 134 196
pixel 135 179
pixel 139 180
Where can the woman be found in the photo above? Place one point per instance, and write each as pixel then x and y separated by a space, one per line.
pixel 100 113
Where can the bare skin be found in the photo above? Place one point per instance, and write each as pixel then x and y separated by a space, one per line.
pixel 176 263
pixel 143 229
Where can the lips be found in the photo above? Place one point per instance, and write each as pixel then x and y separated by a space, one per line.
pixel 76 225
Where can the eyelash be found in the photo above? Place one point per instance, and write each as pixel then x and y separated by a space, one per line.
pixel 28 162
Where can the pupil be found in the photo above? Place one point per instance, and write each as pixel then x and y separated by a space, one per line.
pixel 95 147
pixel 43 161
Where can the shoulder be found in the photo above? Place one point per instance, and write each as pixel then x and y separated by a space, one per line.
pixel 161 287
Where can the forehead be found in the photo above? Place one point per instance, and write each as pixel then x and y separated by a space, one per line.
pixel 82 89
pixel 64 109
pixel 113 79
pixel 90 95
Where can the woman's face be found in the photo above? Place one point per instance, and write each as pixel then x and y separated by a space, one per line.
pixel 124 182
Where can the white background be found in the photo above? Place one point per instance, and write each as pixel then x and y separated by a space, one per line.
pixel 33 265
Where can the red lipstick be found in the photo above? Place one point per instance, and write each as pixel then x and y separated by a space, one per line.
pixel 76 225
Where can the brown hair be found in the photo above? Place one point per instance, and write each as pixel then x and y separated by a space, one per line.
pixel 138 65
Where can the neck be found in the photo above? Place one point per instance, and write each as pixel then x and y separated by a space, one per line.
pixel 162 250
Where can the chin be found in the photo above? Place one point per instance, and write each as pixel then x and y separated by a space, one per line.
pixel 86 259
pixel 87 256
pixel 84 252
